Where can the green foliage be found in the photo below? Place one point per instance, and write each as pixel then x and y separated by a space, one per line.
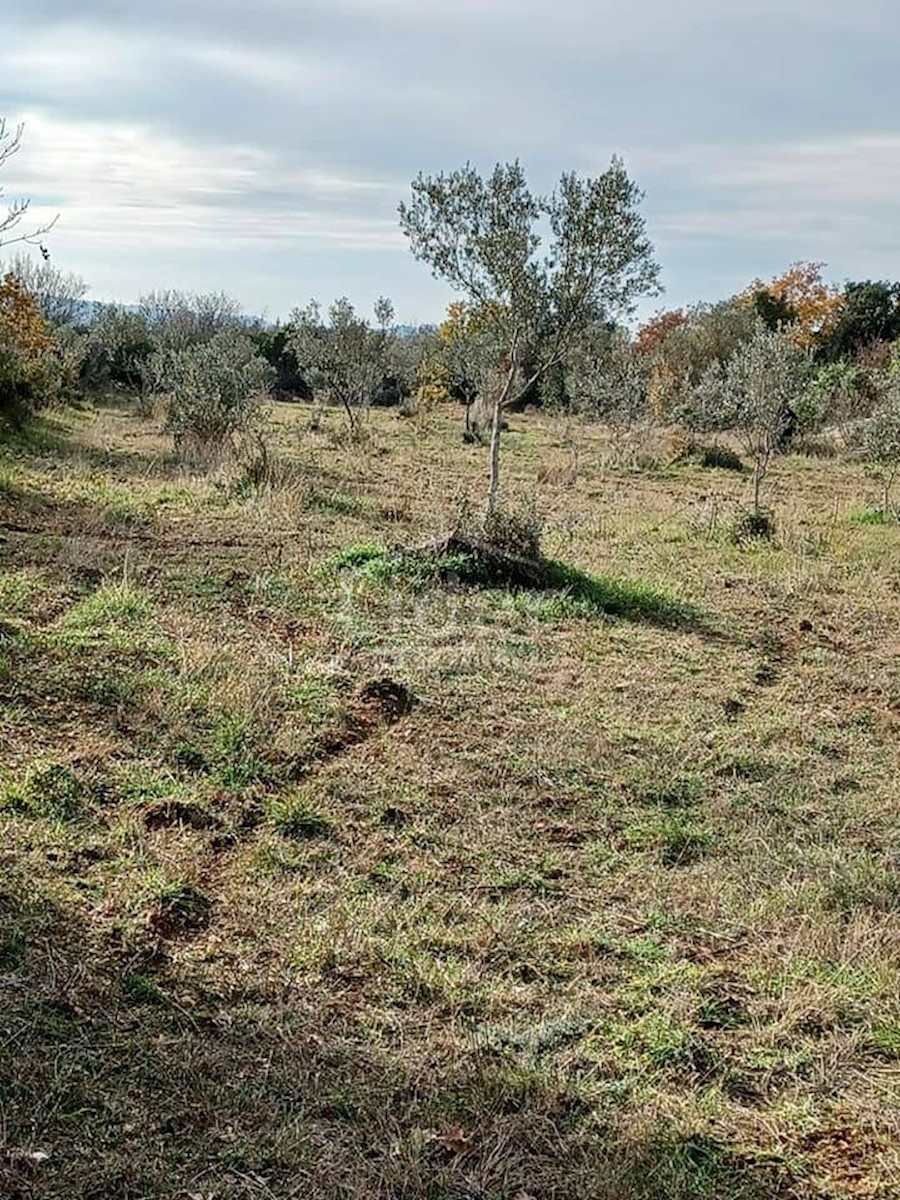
pixel 757 394
pixel 870 313
pixel 53 793
pixel 343 358
pixel 214 390
pixel 882 444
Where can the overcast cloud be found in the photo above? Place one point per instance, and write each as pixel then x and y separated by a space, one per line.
pixel 262 148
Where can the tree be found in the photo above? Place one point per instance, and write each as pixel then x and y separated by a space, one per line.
pixel 709 334
pixel 484 237
pixel 607 380
pixel 176 319
pixel 214 389
pixel 869 313
pixel 468 356
pixel 882 445
pixel 59 293
pixel 274 346
pixel 799 299
pixel 655 331
pixel 10 231
pixel 756 394
pixel 30 371
pixel 344 356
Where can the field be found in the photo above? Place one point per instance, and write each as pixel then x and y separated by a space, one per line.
pixel 322 882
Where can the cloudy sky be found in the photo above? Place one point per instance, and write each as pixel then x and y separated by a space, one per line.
pixel 261 146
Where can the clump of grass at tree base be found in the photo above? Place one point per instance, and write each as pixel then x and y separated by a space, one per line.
pixel 752 526
pixel 567 591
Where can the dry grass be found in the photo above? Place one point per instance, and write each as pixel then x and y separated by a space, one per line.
pixel 585 908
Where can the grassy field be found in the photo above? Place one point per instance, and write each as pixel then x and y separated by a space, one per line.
pixel 320 883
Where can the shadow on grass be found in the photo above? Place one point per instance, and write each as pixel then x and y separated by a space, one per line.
pixel 125 1070
pixel 553 589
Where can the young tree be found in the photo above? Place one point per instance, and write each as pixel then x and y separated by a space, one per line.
pixel 484 237
pixel 882 445
pixel 10 231
pixel 756 393
pixel 215 390
pixel 344 357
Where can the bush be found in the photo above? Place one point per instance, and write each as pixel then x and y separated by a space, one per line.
pixel 215 390
pixel 30 374
pixel 753 526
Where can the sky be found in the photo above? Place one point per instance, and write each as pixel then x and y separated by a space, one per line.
pixel 261 148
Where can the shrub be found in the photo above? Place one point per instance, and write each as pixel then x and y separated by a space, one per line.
pixel 753 526
pixel 27 367
pixel 215 390
pixel 882 445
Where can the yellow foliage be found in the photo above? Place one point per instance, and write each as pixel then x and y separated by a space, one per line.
pixel 30 371
pixel 815 302
pixel 22 326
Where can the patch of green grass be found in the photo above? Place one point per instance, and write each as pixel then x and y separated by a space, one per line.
pixel 885 1041
pixel 864 885
pixel 677 840
pixel 234 752
pixel 13 949
pixel 53 793
pixel 334 502
pixel 655 787
pixel 296 818
pixel 567 592
pixel 18 591
pixel 872 516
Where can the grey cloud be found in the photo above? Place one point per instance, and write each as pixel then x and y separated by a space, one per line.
pixel 332 106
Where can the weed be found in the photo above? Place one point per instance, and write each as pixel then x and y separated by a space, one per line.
pixel 295 818
pixel 752 527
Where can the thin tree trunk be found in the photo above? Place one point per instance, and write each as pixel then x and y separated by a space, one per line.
pixel 500 402
pixel 494 484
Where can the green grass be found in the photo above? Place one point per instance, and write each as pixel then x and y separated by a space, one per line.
pixel 568 592
pixel 609 913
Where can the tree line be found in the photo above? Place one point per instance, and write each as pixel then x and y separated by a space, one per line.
pixel 546 285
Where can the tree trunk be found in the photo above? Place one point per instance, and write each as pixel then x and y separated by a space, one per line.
pixel 494 484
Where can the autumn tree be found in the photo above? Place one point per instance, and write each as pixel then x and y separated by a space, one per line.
pixel 485 237
pixel 26 353
pixel 655 331
pixel 799 299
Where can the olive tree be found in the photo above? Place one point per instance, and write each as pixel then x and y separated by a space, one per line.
pixel 213 390
pixel 882 445
pixel 756 394
pixel 538 268
pixel 344 356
